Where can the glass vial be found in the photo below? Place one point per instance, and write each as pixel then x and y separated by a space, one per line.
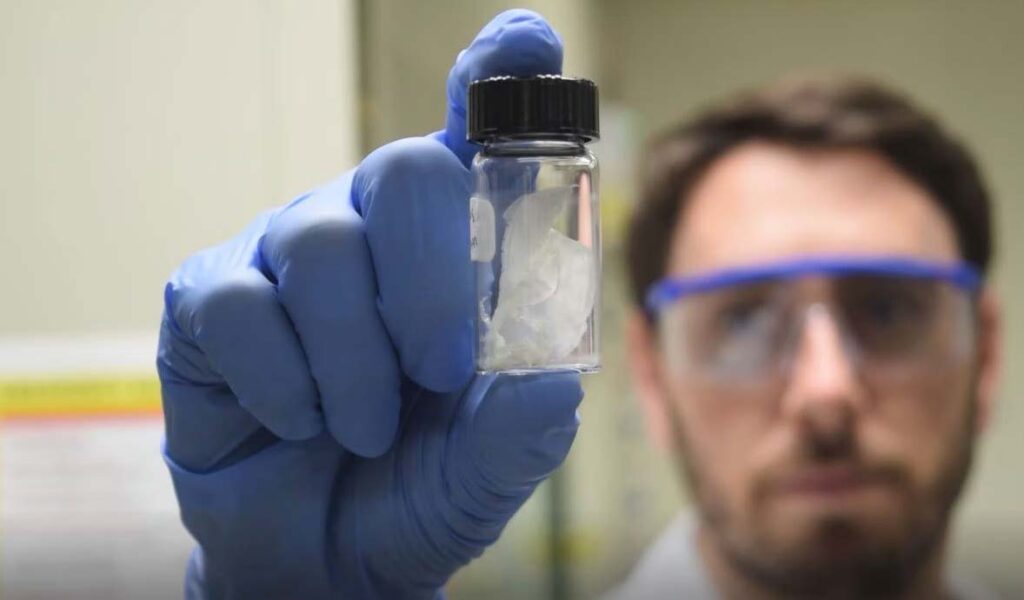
pixel 535 235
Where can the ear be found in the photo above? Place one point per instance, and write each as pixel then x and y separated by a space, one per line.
pixel 645 368
pixel 990 356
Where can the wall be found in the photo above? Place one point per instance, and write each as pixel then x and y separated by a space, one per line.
pixel 136 132
pixel 132 133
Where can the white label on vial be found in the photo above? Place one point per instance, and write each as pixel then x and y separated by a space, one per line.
pixel 481 230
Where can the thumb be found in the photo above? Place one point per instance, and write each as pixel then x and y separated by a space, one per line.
pixel 517 42
pixel 521 429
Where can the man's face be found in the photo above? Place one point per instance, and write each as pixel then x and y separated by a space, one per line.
pixel 832 477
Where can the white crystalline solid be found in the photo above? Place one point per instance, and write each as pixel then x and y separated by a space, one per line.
pixel 546 287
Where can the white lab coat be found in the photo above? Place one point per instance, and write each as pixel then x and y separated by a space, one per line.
pixel 672 568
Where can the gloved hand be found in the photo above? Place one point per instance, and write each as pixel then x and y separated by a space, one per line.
pixel 324 430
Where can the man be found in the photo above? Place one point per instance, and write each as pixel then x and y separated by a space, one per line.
pixel 811 356
pixel 811 344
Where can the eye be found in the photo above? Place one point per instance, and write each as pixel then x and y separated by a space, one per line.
pixel 743 316
pixel 890 315
pixel 890 304
pixel 733 331
pixel 888 310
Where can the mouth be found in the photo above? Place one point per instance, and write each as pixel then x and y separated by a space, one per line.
pixel 826 482
pixel 839 506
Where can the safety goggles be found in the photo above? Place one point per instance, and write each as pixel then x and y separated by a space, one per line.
pixel 895 318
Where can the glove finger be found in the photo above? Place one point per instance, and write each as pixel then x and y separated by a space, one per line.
pixel 517 42
pixel 206 428
pixel 231 325
pixel 521 428
pixel 316 251
pixel 413 195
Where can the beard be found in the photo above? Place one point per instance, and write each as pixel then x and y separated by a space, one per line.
pixel 839 555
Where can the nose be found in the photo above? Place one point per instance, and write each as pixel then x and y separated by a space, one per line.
pixel 823 392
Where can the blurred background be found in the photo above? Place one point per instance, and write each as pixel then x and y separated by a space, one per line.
pixel 133 132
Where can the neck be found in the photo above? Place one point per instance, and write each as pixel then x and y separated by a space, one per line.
pixel 733 583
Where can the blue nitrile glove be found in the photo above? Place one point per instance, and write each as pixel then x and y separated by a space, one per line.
pixel 325 432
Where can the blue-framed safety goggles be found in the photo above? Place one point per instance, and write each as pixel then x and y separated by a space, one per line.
pixel 665 291
pixel 895 317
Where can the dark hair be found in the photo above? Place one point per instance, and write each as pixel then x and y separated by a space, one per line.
pixel 810 112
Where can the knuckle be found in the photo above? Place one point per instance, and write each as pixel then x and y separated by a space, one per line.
pixel 310 235
pixel 228 300
pixel 405 168
pixel 412 157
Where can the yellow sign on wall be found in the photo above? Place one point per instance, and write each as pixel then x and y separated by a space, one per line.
pixel 79 396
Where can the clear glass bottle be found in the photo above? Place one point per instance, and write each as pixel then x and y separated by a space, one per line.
pixel 535 230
